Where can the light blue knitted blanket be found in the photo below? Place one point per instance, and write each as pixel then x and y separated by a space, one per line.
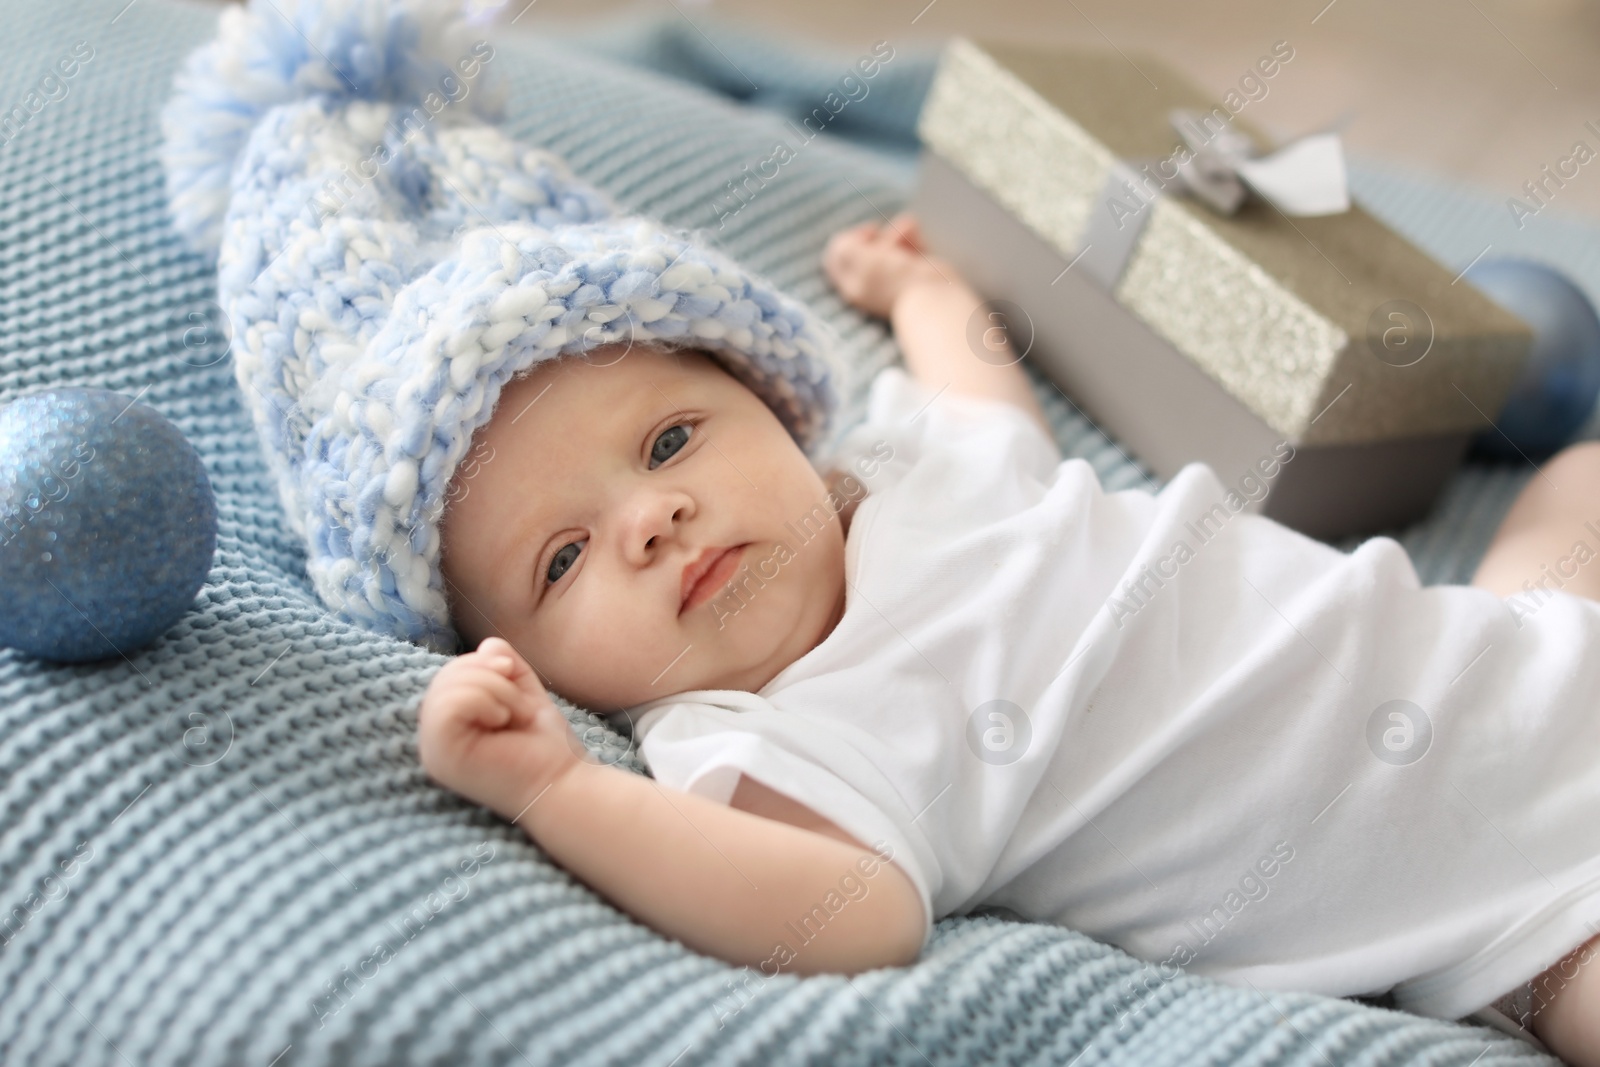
pixel 222 849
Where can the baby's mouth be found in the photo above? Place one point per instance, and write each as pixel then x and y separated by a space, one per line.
pixel 704 577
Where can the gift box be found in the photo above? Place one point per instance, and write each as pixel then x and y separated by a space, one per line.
pixel 1324 367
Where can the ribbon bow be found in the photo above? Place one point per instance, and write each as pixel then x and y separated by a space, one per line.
pixel 1220 168
pixel 1305 177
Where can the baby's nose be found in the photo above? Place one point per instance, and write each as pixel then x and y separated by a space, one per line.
pixel 656 518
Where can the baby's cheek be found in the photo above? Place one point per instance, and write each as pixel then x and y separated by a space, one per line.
pixel 607 642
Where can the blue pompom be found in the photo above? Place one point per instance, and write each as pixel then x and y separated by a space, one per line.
pixel 273 52
pixel 1555 393
pixel 107 524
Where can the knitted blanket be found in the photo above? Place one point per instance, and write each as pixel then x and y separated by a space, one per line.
pixel 221 849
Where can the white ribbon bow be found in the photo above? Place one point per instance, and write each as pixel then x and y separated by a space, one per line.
pixel 1305 177
pixel 1221 168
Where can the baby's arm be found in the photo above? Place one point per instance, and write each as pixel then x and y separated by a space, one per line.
pixel 723 881
pixel 939 321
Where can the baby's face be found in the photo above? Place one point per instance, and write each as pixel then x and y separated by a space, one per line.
pixel 596 485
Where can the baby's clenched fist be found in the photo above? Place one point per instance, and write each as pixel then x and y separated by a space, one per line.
pixel 488 730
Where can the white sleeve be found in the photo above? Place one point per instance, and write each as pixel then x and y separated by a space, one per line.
pixel 904 417
pixel 703 749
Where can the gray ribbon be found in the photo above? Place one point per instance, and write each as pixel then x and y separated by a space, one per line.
pixel 1221 170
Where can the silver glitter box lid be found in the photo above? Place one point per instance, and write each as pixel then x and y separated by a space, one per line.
pixel 1287 315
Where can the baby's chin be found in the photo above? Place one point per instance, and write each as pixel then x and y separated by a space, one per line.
pixel 620 702
pixel 607 701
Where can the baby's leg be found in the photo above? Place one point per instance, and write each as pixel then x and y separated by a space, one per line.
pixel 1536 540
pixel 1566 1010
pixel 1535 544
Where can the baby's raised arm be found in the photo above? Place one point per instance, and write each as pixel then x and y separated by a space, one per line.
pixel 722 880
pixel 948 335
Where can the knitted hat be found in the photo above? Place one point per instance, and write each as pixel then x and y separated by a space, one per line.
pixel 387 260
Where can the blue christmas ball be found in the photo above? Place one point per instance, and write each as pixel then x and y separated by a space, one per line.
pixel 1555 393
pixel 107 524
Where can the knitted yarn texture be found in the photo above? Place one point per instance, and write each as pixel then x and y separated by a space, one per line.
pixel 387 259
pixel 235 778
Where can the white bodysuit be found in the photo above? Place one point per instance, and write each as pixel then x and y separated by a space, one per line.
pixel 1175 725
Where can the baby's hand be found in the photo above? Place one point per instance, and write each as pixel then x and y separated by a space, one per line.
pixel 488 730
pixel 871 264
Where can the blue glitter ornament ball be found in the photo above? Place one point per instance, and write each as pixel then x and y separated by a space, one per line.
pixel 1555 393
pixel 107 524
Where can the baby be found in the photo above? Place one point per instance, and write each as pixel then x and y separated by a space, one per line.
pixel 949 670
pixel 936 668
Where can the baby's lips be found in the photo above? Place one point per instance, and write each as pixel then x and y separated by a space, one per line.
pixel 693 571
pixel 695 575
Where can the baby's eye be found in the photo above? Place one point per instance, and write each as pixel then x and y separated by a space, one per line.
pixel 668 443
pixel 562 561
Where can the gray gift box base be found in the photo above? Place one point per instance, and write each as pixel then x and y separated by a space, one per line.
pixel 1140 390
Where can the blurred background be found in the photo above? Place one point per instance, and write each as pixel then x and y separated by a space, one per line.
pixel 1483 93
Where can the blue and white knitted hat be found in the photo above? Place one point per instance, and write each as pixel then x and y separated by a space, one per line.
pixel 387 259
